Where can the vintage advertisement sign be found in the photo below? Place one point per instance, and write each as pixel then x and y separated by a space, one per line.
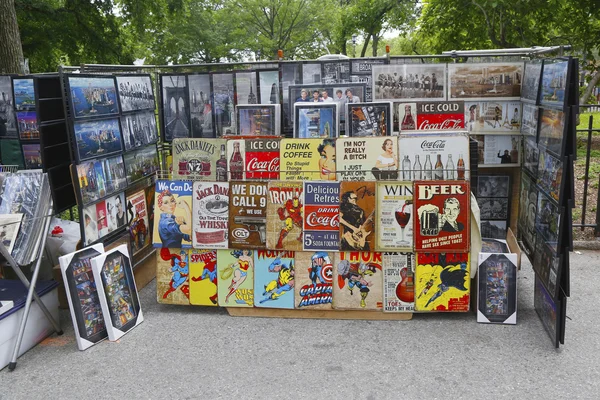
pixel 211 215
pixel 430 116
pixel 367 159
pixel 358 281
pixel 172 270
pixel 442 221
pixel 285 208
pixel 173 206
pixel 274 275
pixel 394 212
pixel 313 280
pixel 203 277
pixel 247 215
pixel 398 285
pixel 262 159
pixel 357 216
pixel 199 159
pixel 235 278
pixel 137 217
pixel 442 282
pixel 321 216
pixel 308 159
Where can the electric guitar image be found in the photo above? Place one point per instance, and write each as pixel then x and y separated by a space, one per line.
pixel 357 238
pixel 405 290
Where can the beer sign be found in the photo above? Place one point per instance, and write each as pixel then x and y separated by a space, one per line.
pixel 441 221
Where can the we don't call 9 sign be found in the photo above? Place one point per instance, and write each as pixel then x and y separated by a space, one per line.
pixel 441 223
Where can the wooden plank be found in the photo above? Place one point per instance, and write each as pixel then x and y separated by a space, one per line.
pixel 317 314
pixel 145 271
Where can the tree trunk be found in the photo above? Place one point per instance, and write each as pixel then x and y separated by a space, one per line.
pixel 590 88
pixel 375 44
pixel 11 52
pixel 365 45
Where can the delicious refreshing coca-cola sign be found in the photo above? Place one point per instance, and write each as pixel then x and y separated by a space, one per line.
pixel 262 158
pixel 321 215
pixel 432 116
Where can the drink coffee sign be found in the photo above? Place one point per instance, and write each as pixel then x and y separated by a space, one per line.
pixel 431 116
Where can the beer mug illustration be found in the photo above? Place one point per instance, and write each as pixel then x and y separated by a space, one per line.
pixel 429 219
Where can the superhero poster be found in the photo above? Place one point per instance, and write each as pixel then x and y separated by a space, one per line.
pixel 367 159
pixel 313 280
pixel 442 221
pixel 442 282
pixel 285 209
pixel 235 278
pixel 274 279
pixel 357 216
pixel 358 281
pixel 253 159
pixel 429 116
pixel 308 159
pixel 321 216
pixel 137 217
pixel 211 215
pixel 247 215
pixel 173 206
pixel 172 272
pixel 199 159
pixel 203 277
pixel 394 212
pixel 398 282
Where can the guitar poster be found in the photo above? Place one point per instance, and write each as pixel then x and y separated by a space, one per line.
pixel 367 159
pixel 442 282
pixel 313 280
pixel 285 206
pixel 358 281
pixel 308 159
pixel 247 215
pixel 398 285
pixel 441 221
pixel 357 216
pixel 394 212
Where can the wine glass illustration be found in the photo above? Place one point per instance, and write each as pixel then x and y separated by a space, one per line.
pixel 402 215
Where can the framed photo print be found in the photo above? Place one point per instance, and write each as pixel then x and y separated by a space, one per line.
pixel 548 221
pixel 32 155
pixel 316 120
pixel 550 173
pixel 527 211
pixel 258 120
pixel 141 163
pixel 102 218
pixel 200 108
pixel 97 138
pixel 493 186
pixel 24 94
pixel 547 267
pixel 92 96
pixel 501 81
pixel 99 178
pixel 268 82
pixel 223 103
pixel 139 129
pixel 118 294
pixel 493 117
pixel 494 229
pixel 311 73
pixel 549 311
pixel 175 107
pixel 531 81
pixel 369 119
pixel 417 82
pixel 246 90
pixel 502 150
pixel 291 74
pixel 27 124
pixel 137 221
pixel 8 125
pixel 135 92
pixel 531 155
pixel 553 88
pixel 497 288
pixel 493 207
pixel 552 130
pixel 335 72
pixel 529 121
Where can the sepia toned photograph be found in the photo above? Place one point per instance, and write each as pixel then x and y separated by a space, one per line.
pixel 176 117
pixel 501 81
pixel 489 117
pixel 418 82
pixel 135 92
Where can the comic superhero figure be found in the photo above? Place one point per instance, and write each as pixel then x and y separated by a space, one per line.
pixel 209 272
pixel 355 274
pixel 239 270
pixel 283 283
pixel 320 268
pixel 428 286
pixel 180 268
pixel 450 278
pixel 293 208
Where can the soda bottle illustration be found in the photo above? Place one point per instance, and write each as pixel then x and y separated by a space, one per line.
pixel 428 173
pixel 222 166
pixel 460 167
pixel 418 169
pixel 406 168
pixel 438 174
pixel 450 168
pixel 236 163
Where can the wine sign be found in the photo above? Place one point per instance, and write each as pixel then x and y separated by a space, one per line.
pixel 431 116
pixel 394 212
pixel 210 215
pixel 398 285
pixel 321 216
pixel 434 157
pixel 441 221
pixel 199 159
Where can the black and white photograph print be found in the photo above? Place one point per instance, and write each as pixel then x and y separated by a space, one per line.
pixel 141 163
pixel 269 87
pixel 200 107
pixel 224 104
pixel 493 186
pixel 531 155
pixel 176 117
pixel 139 129
pixel 529 120
pixel 493 229
pixel 415 81
pixel 369 119
pixel 493 207
pixel 531 81
pixel 502 150
pixel 364 66
pixel 311 73
pixel 501 81
pixel 135 92
pixel 8 125
pixel 245 88
pixel 335 72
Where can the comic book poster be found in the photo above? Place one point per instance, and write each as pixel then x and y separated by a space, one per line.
pixel 203 277
pixel 247 215
pixel 308 159
pixel 442 282
pixel 262 159
pixel 313 279
pixel 357 216
pixel 394 209
pixel 210 215
pixel 398 285
pixel 358 281
pixel 321 216
pixel 429 116
pixel 367 158
pixel 199 159
pixel 285 210
pixel 274 279
pixel 493 117
pixel 137 218
pixel 442 221
pixel 235 278
pixel 497 288
pixel 172 272
pixel 173 206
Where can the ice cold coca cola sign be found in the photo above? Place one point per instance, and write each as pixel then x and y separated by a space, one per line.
pixel 262 159
pixel 440 116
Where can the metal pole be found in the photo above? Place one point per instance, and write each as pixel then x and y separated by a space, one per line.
pixel 587 169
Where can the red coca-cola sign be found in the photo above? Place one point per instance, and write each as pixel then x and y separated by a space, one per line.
pixel 321 218
pixel 440 116
pixel 262 159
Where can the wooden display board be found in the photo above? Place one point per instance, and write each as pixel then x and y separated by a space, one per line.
pixel 318 314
